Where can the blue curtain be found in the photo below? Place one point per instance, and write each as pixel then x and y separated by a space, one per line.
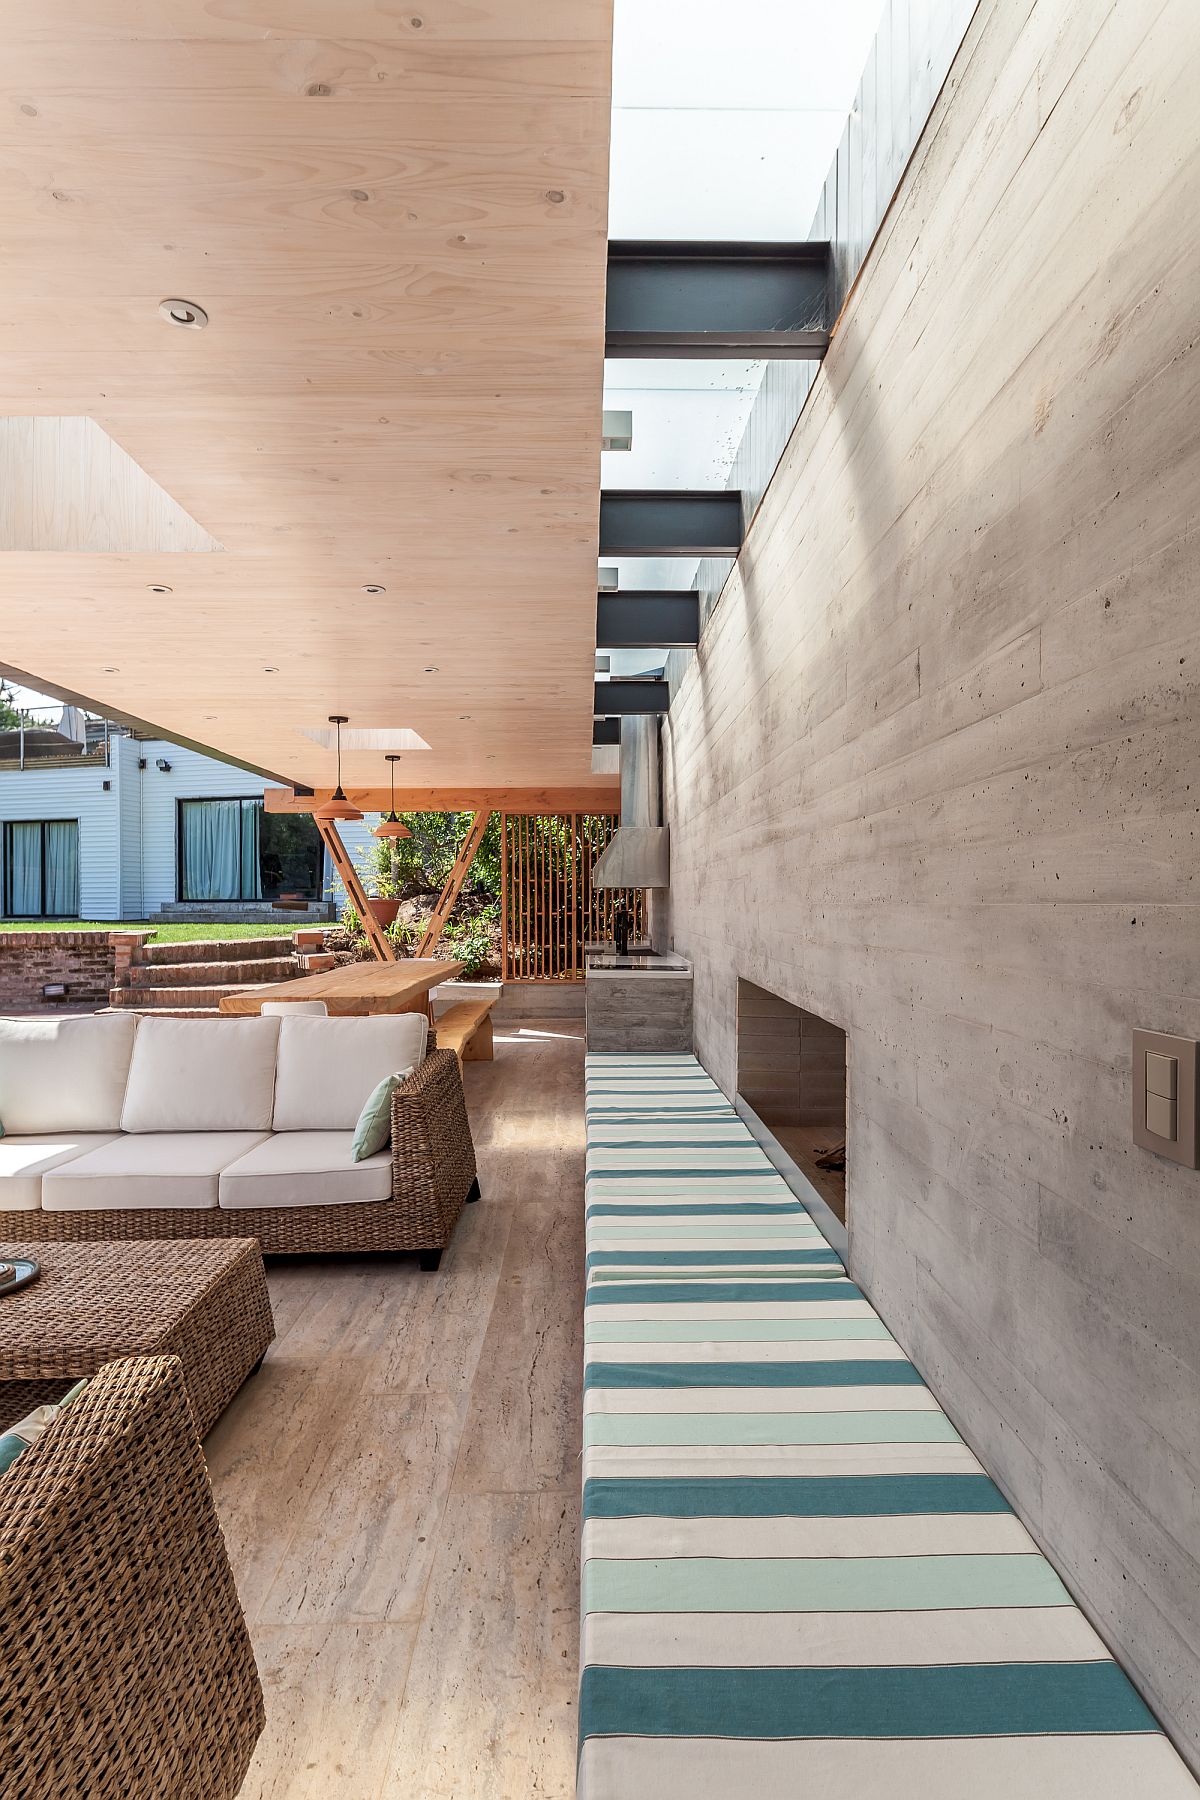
pixel 25 871
pixel 251 863
pixel 212 849
pixel 62 869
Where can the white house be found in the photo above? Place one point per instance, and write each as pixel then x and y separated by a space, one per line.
pixel 131 825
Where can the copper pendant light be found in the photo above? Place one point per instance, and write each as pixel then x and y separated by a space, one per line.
pixel 337 807
pixel 390 826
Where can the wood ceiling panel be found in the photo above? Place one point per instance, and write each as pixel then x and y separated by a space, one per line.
pixel 396 219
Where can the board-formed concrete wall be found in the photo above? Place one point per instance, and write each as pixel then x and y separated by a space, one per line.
pixel 934 773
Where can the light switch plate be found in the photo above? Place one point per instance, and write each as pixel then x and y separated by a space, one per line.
pixel 1185 1053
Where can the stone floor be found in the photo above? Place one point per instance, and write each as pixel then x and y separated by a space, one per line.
pixel 399 1485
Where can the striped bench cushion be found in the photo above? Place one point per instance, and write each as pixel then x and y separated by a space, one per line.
pixel 797 1580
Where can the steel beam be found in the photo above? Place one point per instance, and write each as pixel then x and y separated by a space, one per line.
pixel 606 731
pixel 670 522
pixel 718 299
pixel 630 697
pixel 651 618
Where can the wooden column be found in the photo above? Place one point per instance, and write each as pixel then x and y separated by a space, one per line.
pixel 381 944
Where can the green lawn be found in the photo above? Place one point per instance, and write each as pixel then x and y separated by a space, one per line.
pixel 163 934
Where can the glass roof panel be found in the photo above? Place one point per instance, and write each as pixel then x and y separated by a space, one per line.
pixel 724 126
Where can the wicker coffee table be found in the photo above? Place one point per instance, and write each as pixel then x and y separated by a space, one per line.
pixel 204 1301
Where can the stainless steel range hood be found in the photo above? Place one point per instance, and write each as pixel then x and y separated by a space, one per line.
pixel 639 855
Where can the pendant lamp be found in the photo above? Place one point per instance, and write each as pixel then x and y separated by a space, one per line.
pixel 390 826
pixel 338 807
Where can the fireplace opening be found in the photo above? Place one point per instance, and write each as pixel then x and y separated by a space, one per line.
pixel 792 1074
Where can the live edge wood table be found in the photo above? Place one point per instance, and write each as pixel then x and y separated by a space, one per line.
pixel 357 989
pixel 204 1302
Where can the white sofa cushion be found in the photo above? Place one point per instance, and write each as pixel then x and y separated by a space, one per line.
pixel 201 1075
pixel 305 1168
pixel 327 1068
pixel 174 1169
pixel 64 1075
pixel 24 1160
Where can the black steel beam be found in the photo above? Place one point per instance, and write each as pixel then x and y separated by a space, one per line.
pixel 631 697
pixel 651 618
pixel 606 731
pixel 718 299
pixel 670 522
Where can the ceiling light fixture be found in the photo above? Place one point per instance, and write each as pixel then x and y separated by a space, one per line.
pixel 185 313
pixel 270 668
pixel 337 806
pixel 112 670
pixel 431 668
pixel 373 587
pixel 390 826
pixel 159 587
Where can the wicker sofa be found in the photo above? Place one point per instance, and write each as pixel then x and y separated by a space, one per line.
pixel 120 1127
pixel 127 1665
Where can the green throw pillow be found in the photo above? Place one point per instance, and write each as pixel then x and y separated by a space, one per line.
pixel 18 1438
pixel 374 1128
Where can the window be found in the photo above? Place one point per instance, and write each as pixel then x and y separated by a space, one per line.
pixel 41 869
pixel 230 850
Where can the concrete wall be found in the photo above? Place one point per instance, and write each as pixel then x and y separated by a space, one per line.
pixel 934 774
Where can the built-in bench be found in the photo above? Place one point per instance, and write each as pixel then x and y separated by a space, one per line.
pixel 466 1028
pixel 797 1579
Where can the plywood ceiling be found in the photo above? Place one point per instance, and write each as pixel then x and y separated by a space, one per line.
pixel 395 216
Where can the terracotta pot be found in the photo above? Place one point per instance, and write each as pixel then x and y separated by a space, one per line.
pixel 384 910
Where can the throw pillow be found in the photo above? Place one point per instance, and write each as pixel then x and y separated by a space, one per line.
pixel 374 1128
pixel 17 1439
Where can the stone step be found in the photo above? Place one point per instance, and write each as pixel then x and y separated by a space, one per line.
pixel 166 999
pixel 217 950
pixel 254 973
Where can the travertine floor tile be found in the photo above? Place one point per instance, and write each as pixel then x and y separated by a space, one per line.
pixel 489 1711
pixel 334 1694
pixel 402 1478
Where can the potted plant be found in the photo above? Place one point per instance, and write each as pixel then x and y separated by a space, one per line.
pixel 385 894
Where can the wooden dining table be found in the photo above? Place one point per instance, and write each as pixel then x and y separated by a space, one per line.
pixel 356 989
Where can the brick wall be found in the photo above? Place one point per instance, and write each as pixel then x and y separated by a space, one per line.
pixel 88 963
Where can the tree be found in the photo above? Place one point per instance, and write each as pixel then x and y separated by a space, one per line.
pixel 10 716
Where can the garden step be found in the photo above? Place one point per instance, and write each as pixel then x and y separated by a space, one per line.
pixel 253 973
pixel 217 950
pixel 163 999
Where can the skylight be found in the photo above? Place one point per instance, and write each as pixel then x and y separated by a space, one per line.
pixel 722 128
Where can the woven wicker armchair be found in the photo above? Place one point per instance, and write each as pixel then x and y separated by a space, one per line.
pixel 433 1175
pixel 125 1664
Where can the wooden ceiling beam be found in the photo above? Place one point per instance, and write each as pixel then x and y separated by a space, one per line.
pixel 601 797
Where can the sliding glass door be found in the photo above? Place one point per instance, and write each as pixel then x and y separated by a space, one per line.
pixel 41 869
pixel 219 855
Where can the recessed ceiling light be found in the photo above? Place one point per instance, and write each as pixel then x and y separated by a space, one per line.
pixel 185 313
pixel 373 587
pixel 159 587
pixel 462 717
pixel 431 668
pixel 112 671
pixel 270 668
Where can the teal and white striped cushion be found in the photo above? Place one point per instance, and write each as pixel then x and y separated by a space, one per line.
pixel 797 1579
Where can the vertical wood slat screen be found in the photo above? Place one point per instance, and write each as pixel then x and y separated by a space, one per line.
pixel 550 908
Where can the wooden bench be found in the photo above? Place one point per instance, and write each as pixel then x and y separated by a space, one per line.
pixel 466 1028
